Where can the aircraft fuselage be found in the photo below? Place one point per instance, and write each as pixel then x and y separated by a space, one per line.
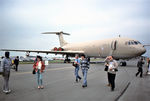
pixel 123 48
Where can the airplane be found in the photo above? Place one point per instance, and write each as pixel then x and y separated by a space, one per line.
pixel 119 48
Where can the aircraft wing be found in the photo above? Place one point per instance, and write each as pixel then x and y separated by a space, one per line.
pixel 46 51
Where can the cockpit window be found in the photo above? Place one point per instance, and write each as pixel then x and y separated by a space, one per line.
pixel 136 42
pixel 128 43
pixel 132 42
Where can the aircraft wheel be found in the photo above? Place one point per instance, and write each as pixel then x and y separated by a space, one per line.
pixel 123 64
pixel 67 61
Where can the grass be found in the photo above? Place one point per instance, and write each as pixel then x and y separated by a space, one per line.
pixel 56 61
pixel 31 62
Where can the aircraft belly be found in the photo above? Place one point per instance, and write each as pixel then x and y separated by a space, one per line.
pixel 91 52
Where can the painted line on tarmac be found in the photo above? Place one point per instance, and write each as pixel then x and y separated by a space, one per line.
pixel 124 90
pixel 50 69
pixel 54 69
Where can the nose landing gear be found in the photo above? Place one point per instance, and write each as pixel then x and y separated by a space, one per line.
pixel 123 63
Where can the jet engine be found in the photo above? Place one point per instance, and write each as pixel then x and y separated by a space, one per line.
pixel 58 49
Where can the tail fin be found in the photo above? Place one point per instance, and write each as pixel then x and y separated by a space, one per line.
pixel 60 35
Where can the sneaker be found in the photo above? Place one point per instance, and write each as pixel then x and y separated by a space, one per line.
pixel 4 91
pixel 84 86
pixel 42 87
pixel 39 87
pixel 80 79
pixel 109 85
pixel 76 80
pixel 136 75
pixel 9 91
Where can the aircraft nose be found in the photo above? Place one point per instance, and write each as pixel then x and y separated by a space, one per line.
pixel 141 51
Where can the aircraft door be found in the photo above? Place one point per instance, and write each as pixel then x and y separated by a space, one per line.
pixel 114 45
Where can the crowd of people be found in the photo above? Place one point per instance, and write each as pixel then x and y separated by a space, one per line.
pixel 6 65
pixel 111 67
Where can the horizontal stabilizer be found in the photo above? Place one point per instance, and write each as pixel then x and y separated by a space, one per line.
pixel 58 33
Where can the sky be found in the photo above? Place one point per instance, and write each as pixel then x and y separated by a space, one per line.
pixel 23 21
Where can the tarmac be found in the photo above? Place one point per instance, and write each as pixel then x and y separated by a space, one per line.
pixel 60 85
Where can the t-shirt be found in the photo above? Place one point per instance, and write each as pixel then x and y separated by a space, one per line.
pixel 112 66
pixel 39 65
pixel 77 60
pixel 85 64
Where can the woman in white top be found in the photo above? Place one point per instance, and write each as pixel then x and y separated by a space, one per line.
pixel 39 67
pixel 112 69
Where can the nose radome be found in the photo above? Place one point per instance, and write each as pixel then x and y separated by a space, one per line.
pixel 142 50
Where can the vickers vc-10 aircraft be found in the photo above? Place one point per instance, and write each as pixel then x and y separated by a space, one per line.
pixel 119 48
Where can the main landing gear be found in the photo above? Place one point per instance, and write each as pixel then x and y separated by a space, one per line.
pixel 67 60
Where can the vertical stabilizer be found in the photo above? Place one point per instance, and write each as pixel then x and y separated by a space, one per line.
pixel 60 35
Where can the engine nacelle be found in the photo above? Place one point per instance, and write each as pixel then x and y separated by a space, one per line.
pixel 55 49
pixel 58 49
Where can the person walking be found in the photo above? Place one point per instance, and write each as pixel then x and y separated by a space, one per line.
pixel 77 67
pixel 140 69
pixel 84 66
pixel 6 66
pixel 112 69
pixel 106 69
pixel 39 67
pixel 148 66
pixel 1 60
pixel 16 62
